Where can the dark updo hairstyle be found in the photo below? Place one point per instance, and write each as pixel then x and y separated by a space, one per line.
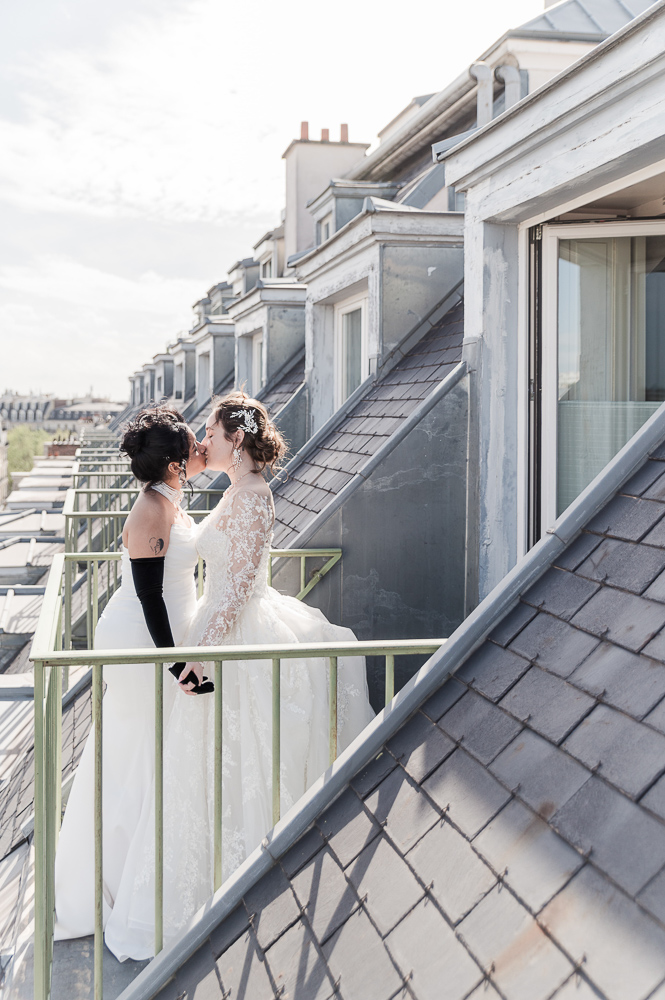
pixel 267 445
pixel 153 439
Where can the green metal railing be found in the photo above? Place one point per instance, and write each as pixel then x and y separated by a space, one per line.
pixel 50 663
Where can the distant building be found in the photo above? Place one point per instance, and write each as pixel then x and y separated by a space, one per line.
pixel 4 468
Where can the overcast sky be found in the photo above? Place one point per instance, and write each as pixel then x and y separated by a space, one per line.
pixel 141 145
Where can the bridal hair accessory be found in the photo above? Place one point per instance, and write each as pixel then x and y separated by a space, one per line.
pixel 172 495
pixel 250 425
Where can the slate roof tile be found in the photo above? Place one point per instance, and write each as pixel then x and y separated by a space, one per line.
pixel 457 877
pixel 543 776
pixel 627 518
pixel 370 776
pixel 656 648
pixel 348 826
pixel 556 645
pixel 560 593
pixel 491 930
pixel 656 592
pixel 628 620
pixel 653 896
pixel 601 820
pixel 536 862
pixel 385 884
pixel 631 682
pixel 655 798
pixel 574 554
pixel 243 971
pixel 491 669
pixel 629 754
pixel 656 489
pixel 549 704
pixel 304 849
pixel 441 700
pixel 362 965
pixel 297 967
pixel 271 907
pixel 594 921
pixel 398 804
pixel 643 479
pixel 226 933
pixel 512 624
pixel 656 536
pixel 445 972
pixel 197 977
pixel 485 729
pixel 325 894
pixel 467 791
pixel 420 746
pixel 656 717
pixel 623 564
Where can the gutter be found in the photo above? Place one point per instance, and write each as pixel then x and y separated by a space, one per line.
pixel 604 46
pixel 442 665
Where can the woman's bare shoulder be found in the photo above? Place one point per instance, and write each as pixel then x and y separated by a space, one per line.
pixel 148 525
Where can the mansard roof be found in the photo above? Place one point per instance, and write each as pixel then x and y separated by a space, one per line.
pixel 368 424
pixel 595 19
pixel 281 392
pixel 509 839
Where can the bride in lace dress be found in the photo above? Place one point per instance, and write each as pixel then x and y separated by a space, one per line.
pixel 238 607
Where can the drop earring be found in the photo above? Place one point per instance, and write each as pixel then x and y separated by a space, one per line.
pixel 237 460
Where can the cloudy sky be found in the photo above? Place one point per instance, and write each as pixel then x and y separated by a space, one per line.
pixel 141 146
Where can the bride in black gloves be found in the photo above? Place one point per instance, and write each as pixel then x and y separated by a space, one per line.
pixel 153 606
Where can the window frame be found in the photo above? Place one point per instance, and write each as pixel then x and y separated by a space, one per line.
pixel 341 309
pixel 552 233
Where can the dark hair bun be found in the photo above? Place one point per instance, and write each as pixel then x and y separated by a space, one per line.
pixel 153 439
pixel 238 411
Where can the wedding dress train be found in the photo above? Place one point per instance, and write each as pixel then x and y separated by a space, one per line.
pixel 128 743
pixel 238 608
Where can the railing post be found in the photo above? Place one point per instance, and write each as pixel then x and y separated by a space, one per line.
pixel 41 929
pixel 159 807
pixel 97 682
pixel 332 702
pixel 303 575
pixel 276 740
pixel 217 837
pixel 95 600
pixel 390 677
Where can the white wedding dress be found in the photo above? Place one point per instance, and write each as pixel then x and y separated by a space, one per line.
pixel 128 740
pixel 238 607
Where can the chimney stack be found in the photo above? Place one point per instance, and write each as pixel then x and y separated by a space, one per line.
pixel 304 130
pixel 325 135
pixel 344 137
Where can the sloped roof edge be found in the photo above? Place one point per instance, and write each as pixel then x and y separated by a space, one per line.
pixel 466 638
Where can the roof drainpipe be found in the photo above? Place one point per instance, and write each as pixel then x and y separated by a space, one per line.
pixel 509 76
pixel 481 72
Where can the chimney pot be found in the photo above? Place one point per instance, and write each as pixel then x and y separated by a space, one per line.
pixel 344 137
pixel 325 135
pixel 304 130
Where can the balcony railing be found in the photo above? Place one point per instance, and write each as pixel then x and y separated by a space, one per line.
pixel 51 661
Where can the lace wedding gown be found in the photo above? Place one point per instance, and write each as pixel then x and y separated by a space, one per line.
pixel 128 743
pixel 238 607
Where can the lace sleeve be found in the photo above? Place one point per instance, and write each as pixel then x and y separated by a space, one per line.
pixel 246 522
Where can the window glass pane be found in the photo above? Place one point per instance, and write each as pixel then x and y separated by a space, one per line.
pixel 611 329
pixel 352 346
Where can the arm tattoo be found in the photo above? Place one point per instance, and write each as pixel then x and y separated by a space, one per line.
pixel 156 544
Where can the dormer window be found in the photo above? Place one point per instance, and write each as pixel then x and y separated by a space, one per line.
pixel 266 269
pixel 351 346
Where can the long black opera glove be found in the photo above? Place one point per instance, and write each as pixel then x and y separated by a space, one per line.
pixel 148 576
